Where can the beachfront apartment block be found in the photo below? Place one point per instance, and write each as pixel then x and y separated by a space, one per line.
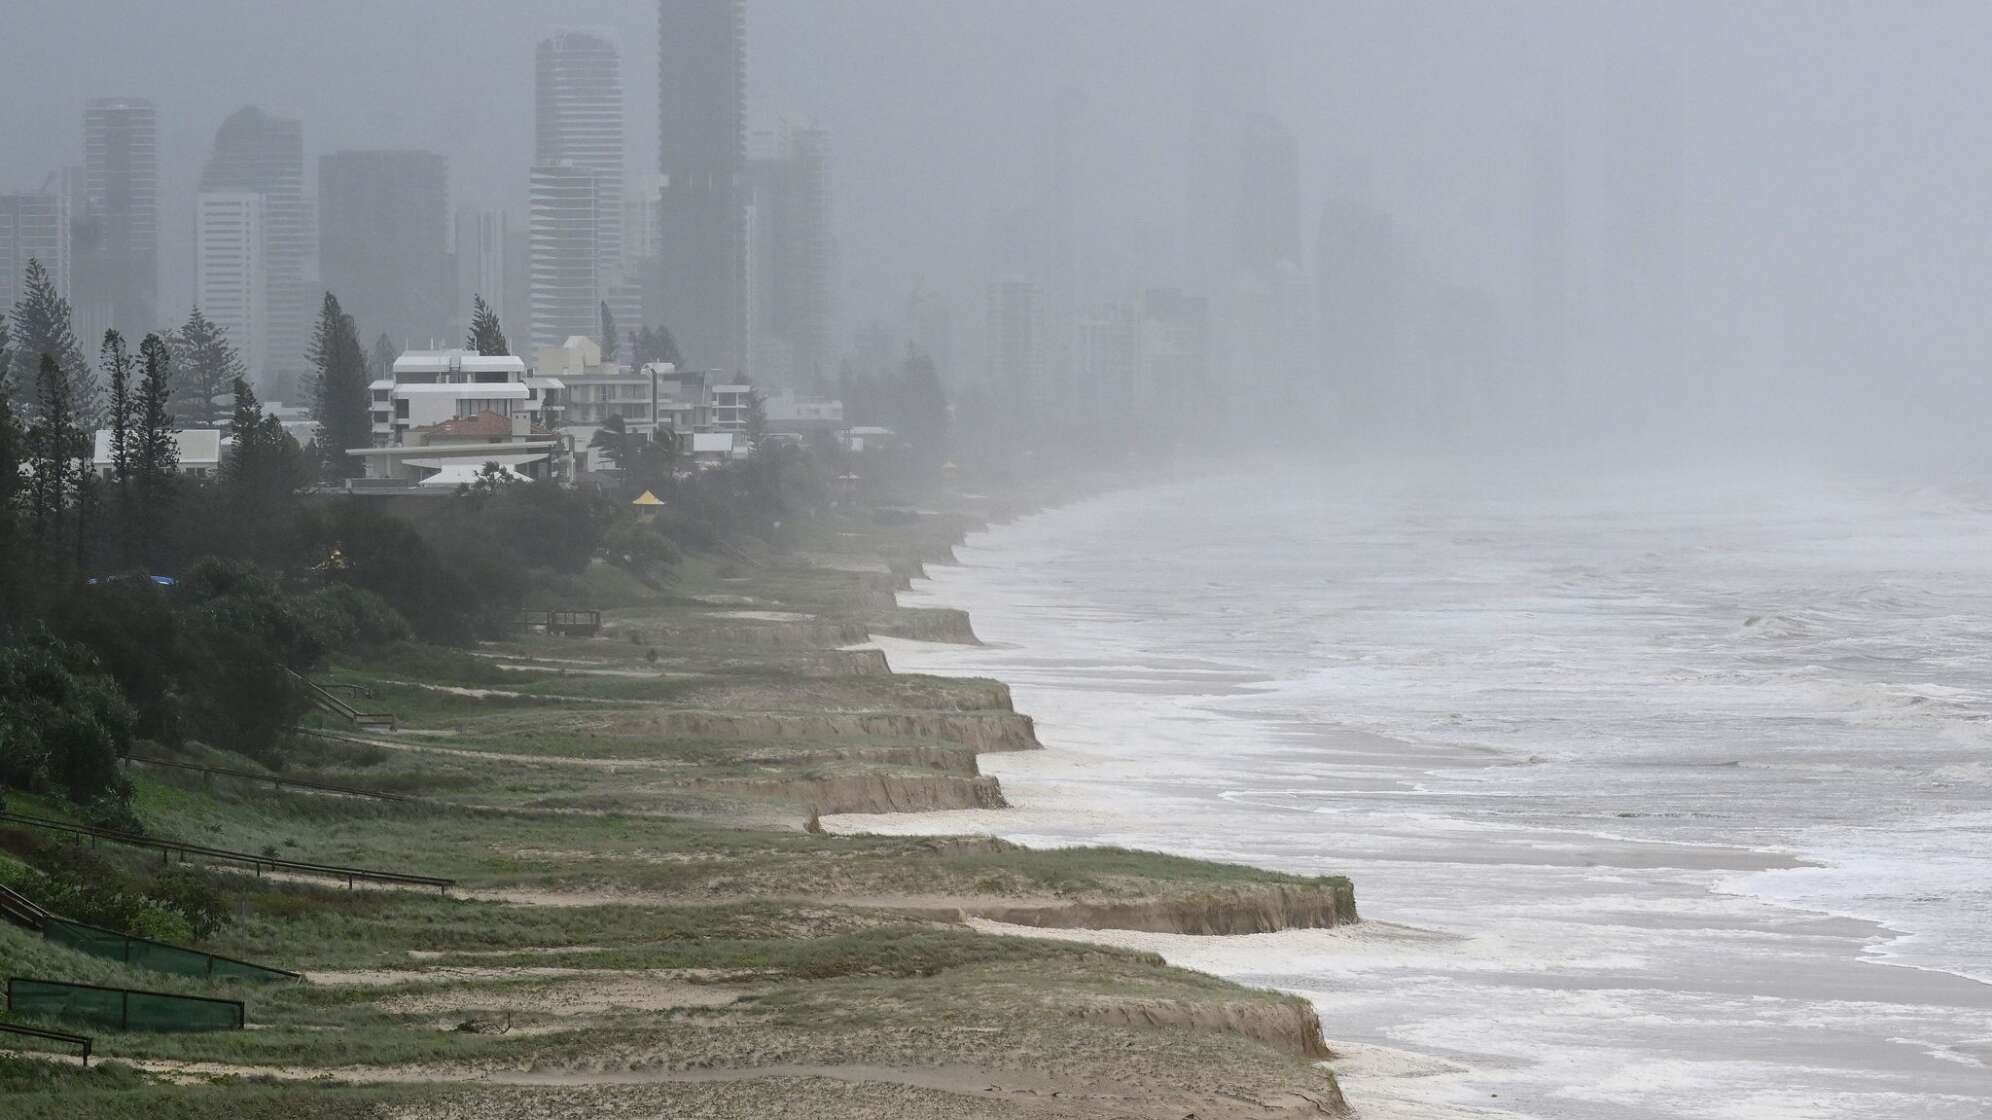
pixel 444 414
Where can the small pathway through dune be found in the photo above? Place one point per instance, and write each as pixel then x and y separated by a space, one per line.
pixel 1059 1095
pixel 633 762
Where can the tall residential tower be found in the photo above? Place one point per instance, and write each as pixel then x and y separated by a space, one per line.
pixel 577 147
pixel 256 153
pixel 383 244
pixel 116 230
pixel 697 285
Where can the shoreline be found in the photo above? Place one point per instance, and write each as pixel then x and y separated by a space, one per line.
pixel 644 889
pixel 1864 940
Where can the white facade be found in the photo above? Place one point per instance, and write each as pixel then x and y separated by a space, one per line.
pixel 230 284
pixel 730 405
pixel 565 243
pixel 432 386
pixel 578 126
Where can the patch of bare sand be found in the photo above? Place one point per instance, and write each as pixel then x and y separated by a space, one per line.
pixel 942 1091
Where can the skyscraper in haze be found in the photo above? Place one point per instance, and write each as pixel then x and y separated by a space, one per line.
pixel 565 234
pixel 790 254
pixel 697 286
pixel 577 135
pixel 116 283
pixel 483 238
pixel 383 224
pixel 34 225
pixel 1015 344
pixel 229 286
pixel 257 153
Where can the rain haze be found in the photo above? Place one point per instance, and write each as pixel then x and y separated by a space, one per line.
pixel 742 558
pixel 1786 196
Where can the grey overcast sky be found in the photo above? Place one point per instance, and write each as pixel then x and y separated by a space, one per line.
pixel 1838 160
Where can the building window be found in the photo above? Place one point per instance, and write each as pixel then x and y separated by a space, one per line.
pixel 401 409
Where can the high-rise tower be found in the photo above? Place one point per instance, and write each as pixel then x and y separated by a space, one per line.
pixel 34 226
pixel 229 286
pixel 697 286
pixel 256 153
pixel 577 141
pixel 117 228
pixel 383 247
pixel 790 255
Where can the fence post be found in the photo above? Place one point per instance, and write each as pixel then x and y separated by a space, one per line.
pixel 124 1013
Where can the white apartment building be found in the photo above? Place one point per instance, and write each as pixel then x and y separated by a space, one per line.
pixel 445 413
pixel 730 405
pixel 230 284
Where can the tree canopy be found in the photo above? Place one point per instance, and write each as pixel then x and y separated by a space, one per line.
pixel 42 326
pixel 206 364
pixel 339 390
pixel 486 336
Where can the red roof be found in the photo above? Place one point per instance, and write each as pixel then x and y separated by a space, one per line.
pixel 484 425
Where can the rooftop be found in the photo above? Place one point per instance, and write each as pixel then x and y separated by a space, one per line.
pixel 451 361
pixel 197 446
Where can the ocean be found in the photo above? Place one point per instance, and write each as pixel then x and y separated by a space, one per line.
pixel 1661 798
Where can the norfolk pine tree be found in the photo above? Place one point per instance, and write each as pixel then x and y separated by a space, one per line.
pixel 52 454
pixel 121 415
pixel 609 339
pixel 486 337
pixel 156 465
pixel 42 326
pixel 207 364
pixel 339 390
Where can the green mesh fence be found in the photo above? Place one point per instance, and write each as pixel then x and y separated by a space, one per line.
pixel 155 955
pixel 120 1008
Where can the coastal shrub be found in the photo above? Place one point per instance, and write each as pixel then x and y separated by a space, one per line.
pixel 64 722
pixel 352 545
pixel 174 905
pixel 640 550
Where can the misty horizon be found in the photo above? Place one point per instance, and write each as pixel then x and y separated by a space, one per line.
pixel 1823 216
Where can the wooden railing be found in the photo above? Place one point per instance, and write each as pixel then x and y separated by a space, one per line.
pixel 51 1036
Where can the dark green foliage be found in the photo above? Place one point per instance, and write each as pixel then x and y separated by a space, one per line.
pixel 655 344
pixel 54 444
pixel 609 337
pixel 486 336
pixel 646 460
pixel 641 549
pixel 208 364
pixel 352 545
pixel 41 327
pixel 909 400
pixel 247 636
pixel 82 884
pixel 212 658
pixel 121 416
pixel 155 470
pixel 339 390
pixel 757 419
pixel 260 478
pixel 64 723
